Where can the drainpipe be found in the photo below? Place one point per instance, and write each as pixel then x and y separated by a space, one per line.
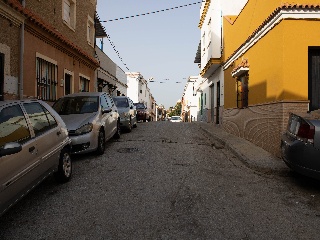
pixel 20 84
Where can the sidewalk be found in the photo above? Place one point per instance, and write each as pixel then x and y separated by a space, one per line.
pixel 250 154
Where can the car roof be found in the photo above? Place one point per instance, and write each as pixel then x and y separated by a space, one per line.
pixel 8 102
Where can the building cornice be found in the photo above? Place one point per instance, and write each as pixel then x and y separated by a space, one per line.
pixel 32 18
pixel 9 13
pixel 285 11
pixel 211 62
pixel 204 13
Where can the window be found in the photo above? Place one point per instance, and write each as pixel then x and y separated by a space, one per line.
pixel 84 84
pixel 203 41
pixel 209 33
pixel 242 91
pixel 41 119
pixel 69 12
pixel 46 80
pixel 13 125
pixel 90 31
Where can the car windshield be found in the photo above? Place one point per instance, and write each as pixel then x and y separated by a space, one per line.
pixel 140 105
pixel 76 105
pixel 121 102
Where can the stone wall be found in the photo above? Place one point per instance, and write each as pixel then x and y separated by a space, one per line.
pixel 262 124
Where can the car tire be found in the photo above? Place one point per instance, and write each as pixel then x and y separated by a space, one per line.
pixel 118 132
pixel 101 143
pixel 64 172
pixel 130 125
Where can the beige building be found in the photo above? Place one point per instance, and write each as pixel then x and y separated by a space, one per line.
pixel 47 48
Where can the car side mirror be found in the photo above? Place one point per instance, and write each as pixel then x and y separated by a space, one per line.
pixel 106 110
pixel 10 148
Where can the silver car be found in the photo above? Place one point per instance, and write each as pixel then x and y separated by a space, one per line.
pixel 92 118
pixel 127 112
pixel 34 144
pixel 300 144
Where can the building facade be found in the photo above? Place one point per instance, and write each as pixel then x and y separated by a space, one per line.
pixel 189 101
pixel 271 61
pixel 210 56
pixel 110 77
pixel 53 46
pixel 139 91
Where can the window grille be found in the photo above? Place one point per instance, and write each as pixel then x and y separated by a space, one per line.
pixel 46 80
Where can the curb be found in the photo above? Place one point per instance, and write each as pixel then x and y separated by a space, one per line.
pixel 250 154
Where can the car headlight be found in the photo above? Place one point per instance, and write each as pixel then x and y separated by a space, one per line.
pixel 84 129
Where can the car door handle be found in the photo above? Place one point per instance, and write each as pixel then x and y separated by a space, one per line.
pixel 31 149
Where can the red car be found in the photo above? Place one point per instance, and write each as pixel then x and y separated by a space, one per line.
pixel 142 112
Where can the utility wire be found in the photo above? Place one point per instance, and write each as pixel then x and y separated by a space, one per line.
pixel 138 15
pixel 148 13
pixel 117 52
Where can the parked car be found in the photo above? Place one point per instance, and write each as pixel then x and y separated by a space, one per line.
pixel 142 112
pixel 300 144
pixel 175 119
pixel 127 112
pixel 92 118
pixel 34 144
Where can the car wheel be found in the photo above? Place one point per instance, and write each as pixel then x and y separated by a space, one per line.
pixel 101 143
pixel 65 167
pixel 118 132
pixel 130 125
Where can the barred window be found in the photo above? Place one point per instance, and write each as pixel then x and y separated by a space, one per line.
pixel 46 80
pixel 84 84
pixel 243 91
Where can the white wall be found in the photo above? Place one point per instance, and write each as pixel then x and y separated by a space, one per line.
pixel 133 86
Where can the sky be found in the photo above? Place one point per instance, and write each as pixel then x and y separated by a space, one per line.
pixel 161 46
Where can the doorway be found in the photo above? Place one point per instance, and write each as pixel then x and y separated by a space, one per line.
pixel 212 102
pixel 67 84
pixel 314 78
pixel 1 77
pixel 218 103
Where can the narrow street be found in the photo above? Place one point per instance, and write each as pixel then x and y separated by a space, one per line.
pixel 167 181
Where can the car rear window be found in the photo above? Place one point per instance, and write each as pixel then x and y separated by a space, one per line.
pixel 13 125
pixel 76 105
pixel 140 105
pixel 121 102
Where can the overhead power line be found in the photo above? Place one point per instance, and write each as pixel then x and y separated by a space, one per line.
pixel 148 13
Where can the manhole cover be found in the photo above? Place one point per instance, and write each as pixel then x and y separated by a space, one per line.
pixel 128 150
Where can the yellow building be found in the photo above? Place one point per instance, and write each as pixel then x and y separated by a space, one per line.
pixel 271 64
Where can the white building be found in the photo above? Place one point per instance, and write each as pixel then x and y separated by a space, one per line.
pixel 209 56
pixel 190 105
pixel 139 91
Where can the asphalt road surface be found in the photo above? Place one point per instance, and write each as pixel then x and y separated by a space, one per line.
pixel 167 181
